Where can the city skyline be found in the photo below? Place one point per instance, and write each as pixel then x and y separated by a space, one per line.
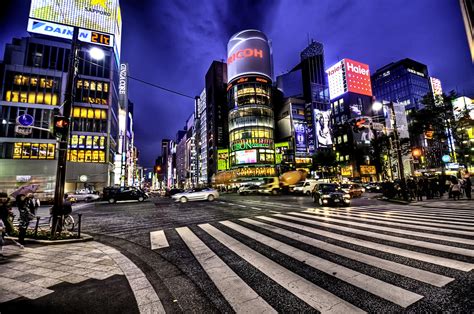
pixel 206 30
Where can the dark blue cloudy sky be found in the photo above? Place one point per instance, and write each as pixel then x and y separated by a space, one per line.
pixel 172 43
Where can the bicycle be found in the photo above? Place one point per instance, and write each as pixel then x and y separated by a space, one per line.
pixel 67 222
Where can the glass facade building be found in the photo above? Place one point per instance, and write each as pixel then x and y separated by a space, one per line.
pixel 405 82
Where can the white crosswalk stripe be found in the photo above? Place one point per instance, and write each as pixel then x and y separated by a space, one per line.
pixel 308 292
pixel 239 295
pixel 347 247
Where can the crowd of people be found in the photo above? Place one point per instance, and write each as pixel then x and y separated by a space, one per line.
pixel 419 188
pixel 27 207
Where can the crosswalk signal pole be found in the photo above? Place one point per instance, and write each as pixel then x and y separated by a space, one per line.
pixel 63 139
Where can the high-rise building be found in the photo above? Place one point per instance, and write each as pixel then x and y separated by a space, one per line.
pixel 251 117
pixel 467 9
pixel 33 76
pixel 216 114
pixel 201 139
pixel 348 119
pixel 405 82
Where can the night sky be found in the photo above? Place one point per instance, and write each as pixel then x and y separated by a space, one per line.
pixel 172 44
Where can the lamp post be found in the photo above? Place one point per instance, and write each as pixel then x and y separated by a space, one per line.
pixel 376 106
pixel 95 53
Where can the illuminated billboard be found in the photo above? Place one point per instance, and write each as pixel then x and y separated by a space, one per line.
pixel 323 128
pixel 300 136
pixel 246 156
pixel 349 76
pixel 248 52
pixel 436 86
pixel 222 159
pixel 99 15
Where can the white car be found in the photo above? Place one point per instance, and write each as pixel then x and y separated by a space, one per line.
pixel 83 195
pixel 196 194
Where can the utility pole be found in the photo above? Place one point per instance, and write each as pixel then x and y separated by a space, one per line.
pixel 63 141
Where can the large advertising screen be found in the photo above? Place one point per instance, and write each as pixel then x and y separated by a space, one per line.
pixel 248 52
pixel 349 76
pixel 357 77
pixel 99 15
pixel 246 156
pixel 323 128
pixel 222 159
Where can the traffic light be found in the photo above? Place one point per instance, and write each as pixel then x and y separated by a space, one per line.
pixel 157 169
pixel 61 127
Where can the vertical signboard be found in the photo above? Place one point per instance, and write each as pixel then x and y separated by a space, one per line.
pixel 222 159
pixel 300 136
pixel 323 128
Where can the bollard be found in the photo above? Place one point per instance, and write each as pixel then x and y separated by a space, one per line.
pixel 37 225
pixel 79 225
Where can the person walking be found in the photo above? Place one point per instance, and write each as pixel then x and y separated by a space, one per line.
pixel 468 186
pixel 419 190
pixel 25 217
pixel 6 213
pixel 456 190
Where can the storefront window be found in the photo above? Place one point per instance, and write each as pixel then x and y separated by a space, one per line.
pixel 33 151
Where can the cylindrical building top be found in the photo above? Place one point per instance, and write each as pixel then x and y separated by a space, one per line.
pixel 248 52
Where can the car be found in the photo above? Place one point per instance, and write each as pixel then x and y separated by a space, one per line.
pixel 326 194
pixel 196 194
pixel 298 188
pixel 248 189
pixel 373 187
pixel 82 196
pixel 114 194
pixel 171 192
pixel 354 189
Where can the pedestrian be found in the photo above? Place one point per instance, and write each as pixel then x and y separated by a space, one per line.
pixel 25 217
pixel 426 188
pixel 455 189
pixel 6 213
pixel 468 186
pixel 419 190
pixel 32 203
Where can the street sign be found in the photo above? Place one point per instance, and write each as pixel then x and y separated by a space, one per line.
pixel 23 130
pixel 25 120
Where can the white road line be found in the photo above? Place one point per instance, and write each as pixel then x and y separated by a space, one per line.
pixel 256 208
pixel 375 286
pixel 158 240
pixel 396 230
pixel 439 211
pixel 395 222
pixel 429 215
pixel 240 296
pixel 397 268
pixel 433 259
pixel 305 290
pixel 406 216
pixel 241 205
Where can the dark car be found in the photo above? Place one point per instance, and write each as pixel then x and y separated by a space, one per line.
pixel 248 189
pixel 328 194
pixel 171 192
pixel 114 194
pixel 354 189
pixel 373 187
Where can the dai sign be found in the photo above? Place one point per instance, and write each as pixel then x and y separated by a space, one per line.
pixel 349 76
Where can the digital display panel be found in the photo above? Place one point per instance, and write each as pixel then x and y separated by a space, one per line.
pixel 222 159
pixel 248 52
pixel 246 156
pixel 300 135
pixel 323 128
pixel 99 15
pixel 436 86
pixel 349 76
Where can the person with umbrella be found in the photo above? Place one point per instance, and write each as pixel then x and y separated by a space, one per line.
pixel 25 217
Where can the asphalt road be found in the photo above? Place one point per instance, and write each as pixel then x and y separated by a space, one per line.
pixel 285 254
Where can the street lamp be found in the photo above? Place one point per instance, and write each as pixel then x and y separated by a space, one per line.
pixel 376 106
pixel 96 53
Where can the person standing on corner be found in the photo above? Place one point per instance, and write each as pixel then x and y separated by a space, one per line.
pixel 467 185
pixel 25 217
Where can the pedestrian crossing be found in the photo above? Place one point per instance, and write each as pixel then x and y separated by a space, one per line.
pixel 332 260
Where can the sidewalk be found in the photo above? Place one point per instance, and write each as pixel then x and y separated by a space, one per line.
pixel 85 277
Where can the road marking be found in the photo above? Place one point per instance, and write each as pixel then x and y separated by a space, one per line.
pixel 158 240
pixel 433 259
pixel 395 230
pixel 397 268
pixel 406 216
pixel 315 296
pixel 438 211
pixel 362 216
pixel 240 296
pixel 256 208
pixel 375 286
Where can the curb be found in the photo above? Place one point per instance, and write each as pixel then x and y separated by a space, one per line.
pixel 83 238
pixel 394 201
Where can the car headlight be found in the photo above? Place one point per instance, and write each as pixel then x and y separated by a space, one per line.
pixel 325 196
pixel 347 196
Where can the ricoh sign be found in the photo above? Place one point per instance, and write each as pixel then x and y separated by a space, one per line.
pixel 349 76
pixel 248 52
